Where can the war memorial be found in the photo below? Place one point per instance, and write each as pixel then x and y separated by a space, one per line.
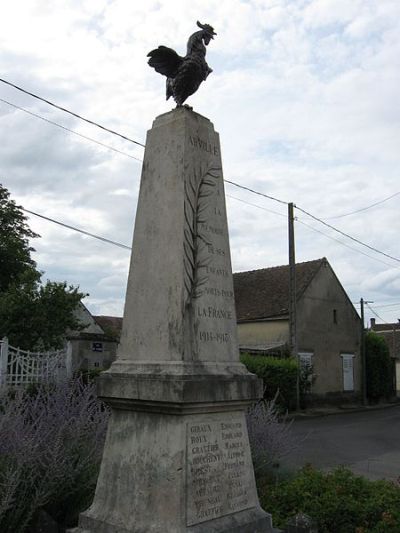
pixel 177 456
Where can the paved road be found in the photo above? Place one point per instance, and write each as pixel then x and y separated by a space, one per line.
pixel 367 442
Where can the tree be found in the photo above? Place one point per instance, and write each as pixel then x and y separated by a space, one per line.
pixel 379 367
pixel 15 251
pixel 33 315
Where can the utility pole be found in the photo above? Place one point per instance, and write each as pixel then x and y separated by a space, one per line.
pixel 363 354
pixel 292 300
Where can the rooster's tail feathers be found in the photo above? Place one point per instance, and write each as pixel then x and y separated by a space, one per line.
pixel 165 61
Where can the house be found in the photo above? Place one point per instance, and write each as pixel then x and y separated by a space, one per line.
pixel 95 346
pixel 391 334
pixel 328 326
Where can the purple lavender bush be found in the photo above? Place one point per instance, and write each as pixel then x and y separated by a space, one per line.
pixel 270 434
pixel 51 442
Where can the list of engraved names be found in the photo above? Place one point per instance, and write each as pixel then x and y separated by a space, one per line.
pixel 219 467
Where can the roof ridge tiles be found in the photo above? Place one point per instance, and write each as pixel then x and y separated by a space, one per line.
pixel 320 260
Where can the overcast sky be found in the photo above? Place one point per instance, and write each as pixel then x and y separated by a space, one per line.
pixel 304 94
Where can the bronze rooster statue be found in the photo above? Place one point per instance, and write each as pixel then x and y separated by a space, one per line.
pixel 184 74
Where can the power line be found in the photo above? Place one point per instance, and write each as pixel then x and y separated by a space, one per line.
pixel 347 235
pixel 313 229
pixel 375 313
pixel 381 305
pixel 253 191
pixel 387 305
pixel 365 208
pixel 256 192
pixel 69 130
pixel 109 241
pixel 322 222
pixel 71 112
pixel 343 243
pixel 257 206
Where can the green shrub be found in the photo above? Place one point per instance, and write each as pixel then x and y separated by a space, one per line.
pixel 277 374
pixel 340 501
pixel 379 367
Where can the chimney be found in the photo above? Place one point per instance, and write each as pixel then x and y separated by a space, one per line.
pixel 372 323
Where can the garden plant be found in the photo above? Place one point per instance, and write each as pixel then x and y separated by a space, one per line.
pixel 52 438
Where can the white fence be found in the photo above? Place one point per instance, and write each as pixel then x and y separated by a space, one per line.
pixel 21 367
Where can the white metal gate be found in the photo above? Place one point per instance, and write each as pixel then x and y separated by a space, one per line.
pixel 21 367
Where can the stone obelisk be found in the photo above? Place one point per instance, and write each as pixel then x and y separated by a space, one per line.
pixel 177 456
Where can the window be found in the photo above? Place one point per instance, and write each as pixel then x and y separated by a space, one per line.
pixel 335 316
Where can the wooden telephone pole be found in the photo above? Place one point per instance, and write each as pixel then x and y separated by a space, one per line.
pixel 292 300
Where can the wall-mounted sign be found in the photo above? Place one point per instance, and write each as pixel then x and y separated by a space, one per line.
pixel 97 346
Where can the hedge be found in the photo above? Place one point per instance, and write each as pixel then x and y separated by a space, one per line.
pixel 339 501
pixel 379 367
pixel 277 374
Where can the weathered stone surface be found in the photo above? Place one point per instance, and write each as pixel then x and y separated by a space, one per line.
pixel 219 469
pixel 186 313
pixel 177 456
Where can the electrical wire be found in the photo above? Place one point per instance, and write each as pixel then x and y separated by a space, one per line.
pixel 109 241
pixel 68 130
pixel 365 208
pixel 343 243
pixel 257 206
pixel 256 192
pixel 104 239
pixel 253 191
pixel 375 313
pixel 387 305
pixel 92 122
pixel 347 235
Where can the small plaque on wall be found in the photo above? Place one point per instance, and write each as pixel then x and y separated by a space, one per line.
pixel 97 346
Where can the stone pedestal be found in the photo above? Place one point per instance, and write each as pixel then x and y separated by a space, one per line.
pixel 177 456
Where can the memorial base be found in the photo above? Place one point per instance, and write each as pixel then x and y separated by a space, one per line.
pixel 177 465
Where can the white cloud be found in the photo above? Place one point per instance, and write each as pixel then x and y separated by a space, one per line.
pixel 303 94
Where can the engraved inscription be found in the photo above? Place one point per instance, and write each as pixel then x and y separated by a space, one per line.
pixel 212 336
pixel 214 312
pixel 201 144
pixel 211 229
pixel 213 291
pixel 222 272
pixel 219 470
pixel 215 251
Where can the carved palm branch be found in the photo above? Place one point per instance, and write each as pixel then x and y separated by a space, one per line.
pixel 198 189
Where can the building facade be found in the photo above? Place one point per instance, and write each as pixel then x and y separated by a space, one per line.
pixel 95 346
pixel 328 326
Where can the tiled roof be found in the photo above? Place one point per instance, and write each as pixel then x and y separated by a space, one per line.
pixel 111 325
pixel 264 293
pixel 386 327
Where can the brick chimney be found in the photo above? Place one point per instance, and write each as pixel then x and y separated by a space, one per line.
pixel 372 323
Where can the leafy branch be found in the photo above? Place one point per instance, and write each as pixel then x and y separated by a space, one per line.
pixel 199 187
